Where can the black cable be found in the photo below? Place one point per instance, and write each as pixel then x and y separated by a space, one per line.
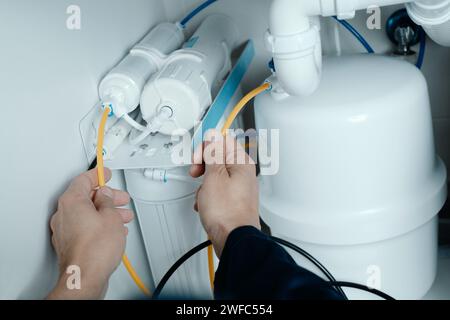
pixel 337 284
pixel 313 260
pixel 93 164
pixel 285 243
pixel 363 288
pixel 178 264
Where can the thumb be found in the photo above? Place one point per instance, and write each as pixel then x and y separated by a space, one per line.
pixel 104 199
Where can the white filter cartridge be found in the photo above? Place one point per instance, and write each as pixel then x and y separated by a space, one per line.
pixel 186 82
pixel 123 85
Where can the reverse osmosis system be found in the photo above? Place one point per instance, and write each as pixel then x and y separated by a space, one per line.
pixel 359 184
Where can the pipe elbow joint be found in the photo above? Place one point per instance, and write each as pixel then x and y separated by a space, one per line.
pixel 294 41
pixel 301 76
pixel 298 60
pixel 434 17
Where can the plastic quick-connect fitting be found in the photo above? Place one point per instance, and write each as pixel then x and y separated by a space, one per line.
pixel 125 82
pixel 164 176
pixel 154 125
pixel 160 119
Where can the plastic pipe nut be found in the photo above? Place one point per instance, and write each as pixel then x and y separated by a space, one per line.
pixel 297 44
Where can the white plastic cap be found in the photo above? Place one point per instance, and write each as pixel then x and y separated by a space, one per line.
pixel 186 103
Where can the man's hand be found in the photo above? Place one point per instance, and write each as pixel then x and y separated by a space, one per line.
pixel 228 198
pixel 89 233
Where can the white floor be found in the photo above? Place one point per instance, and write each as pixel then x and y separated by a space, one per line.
pixel 441 287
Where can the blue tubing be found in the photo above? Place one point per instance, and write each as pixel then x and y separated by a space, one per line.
pixel 355 32
pixel 423 45
pixel 196 11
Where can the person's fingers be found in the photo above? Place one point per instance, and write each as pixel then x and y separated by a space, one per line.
pixel 88 181
pixel 126 214
pixel 206 150
pixel 197 170
pixel 197 157
pixel 237 159
pixel 121 198
pixel 53 223
pixel 196 199
pixel 103 199
pixel 214 154
pixel 53 239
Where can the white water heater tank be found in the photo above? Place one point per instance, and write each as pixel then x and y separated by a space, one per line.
pixel 359 184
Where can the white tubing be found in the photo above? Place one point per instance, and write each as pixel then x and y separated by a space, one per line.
pixel 153 126
pixel 134 123
pixel 135 140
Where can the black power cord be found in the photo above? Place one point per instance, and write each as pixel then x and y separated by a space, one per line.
pixel 176 265
pixel 285 243
pixel 337 284
pixel 93 165
pixel 376 292
pixel 313 260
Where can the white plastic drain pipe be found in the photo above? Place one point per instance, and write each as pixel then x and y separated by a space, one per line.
pixel 294 39
pixel 434 17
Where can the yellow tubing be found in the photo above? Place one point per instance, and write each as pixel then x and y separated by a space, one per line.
pixel 100 141
pixel 241 104
pixel 135 276
pixel 102 183
pixel 228 123
pixel 211 266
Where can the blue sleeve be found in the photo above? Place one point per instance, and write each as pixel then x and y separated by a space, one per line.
pixel 253 266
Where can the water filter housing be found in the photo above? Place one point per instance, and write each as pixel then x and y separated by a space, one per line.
pixel 190 76
pixel 174 228
pixel 359 184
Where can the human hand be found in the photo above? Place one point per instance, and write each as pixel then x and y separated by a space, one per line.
pixel 89 233
pixel 228 198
